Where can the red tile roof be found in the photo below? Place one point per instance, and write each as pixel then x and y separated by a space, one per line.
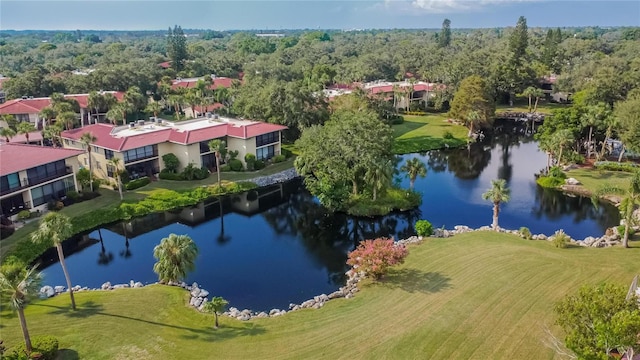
pixel 165 65
pixel 21 138
pixel 17 157
pixel 35 105
pixel 217 82
pixel 105 139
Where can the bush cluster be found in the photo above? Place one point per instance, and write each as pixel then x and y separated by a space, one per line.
pixel 525 233
pixel 560 239
pixel 423 228
pixel 286 152
pixel 616 166
pixel 374 257
pixel 250 160
pixel 417 113
pixel 393 199
pixel 447 135
pixel 44 348
pixel 259 165
pixel 235 165
pixel 137 183
pixel 279 158
pixel 24 215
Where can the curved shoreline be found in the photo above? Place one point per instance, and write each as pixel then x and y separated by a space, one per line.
pixel 582 191
pixel 198 297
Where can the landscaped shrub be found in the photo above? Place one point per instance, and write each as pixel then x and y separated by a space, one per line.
pixel 45 346
pixel 549 181
pixel 393 198
pixel 575 157
pixel 286 152
pixel 235 165
pixel 556 171
pixel 233 154
pixel 560 239
pixel 250 160
pixel 616 166
pixel 73 195
pixel 224 168
pixel 447 135
pixel 137 183
pixel 124 176
pixel 167 175
pixel 417 113
pixel 24 215
pixel 423 228
pixel 621 230
pixel 55 205
pixel 279 158
pixel 171 162
pixel 259 165
pixel 397 120
pixel 525 233
pixel 84 178
pixel 374 257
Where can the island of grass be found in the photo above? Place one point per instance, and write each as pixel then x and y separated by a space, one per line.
pixel 478 295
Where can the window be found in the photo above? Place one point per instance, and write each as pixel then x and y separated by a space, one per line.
pixel 86 161
pixel 141 153
pixel 9 182
pixel 108 154
pixel 265 153
pixel 46 172
pixel 266 139
pixel 96 150
pixel 110 170
pixel 54 190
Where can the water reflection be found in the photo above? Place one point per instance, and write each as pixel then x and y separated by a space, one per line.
pixel 276 245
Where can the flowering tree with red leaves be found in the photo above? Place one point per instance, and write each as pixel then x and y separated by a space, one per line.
pixel 374 257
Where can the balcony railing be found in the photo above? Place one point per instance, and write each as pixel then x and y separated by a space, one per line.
pixel 33 181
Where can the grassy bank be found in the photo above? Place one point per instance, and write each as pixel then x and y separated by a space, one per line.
pixel 593 179
pixel 422 133
pixel 480 295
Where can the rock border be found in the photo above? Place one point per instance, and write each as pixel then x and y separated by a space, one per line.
pixel 198 297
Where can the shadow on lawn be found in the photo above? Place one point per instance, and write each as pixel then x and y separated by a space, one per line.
pixel 67 354
pixel 225 332
pixel 413 280
pixel 90 308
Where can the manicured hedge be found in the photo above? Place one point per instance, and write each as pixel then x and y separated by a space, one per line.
pixel 137 183
pixel 616 166
pixel 46 346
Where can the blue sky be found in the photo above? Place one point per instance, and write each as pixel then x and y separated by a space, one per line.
pixel 310 14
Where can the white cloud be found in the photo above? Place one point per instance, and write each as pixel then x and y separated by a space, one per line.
pixel 448 6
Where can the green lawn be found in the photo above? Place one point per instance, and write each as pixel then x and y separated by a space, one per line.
pixel 523 106
pixel 478 295
pixel 593 179
pixel 422 133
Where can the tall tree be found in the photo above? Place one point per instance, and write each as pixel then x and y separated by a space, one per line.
pixel 17 286
pixel 48 114
pixel 498 193
pixel 10 120
pixel 379 176
pixel 53 133
pixel 176 256
pixel 55 228
pixel 414 168
pixel 219 147
pixel 445 34
pixel 595 116
pixel 177 48
pixel 215 307
pixel 628 114
pixel 26 128
pixel 115 162
pixel 154 108
pixel 473 95
pixel 67 118
pixel 87 139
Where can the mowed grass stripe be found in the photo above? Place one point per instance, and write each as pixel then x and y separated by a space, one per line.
pixel 476 295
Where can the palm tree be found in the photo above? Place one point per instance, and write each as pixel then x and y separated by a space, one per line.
pixel 473 118
pixel 53 132
pixel 48 113
pixel 7 133
pixel 114 114
pixel 96 101
pixel 87 139
pixel 10 120
pixel 414 168
pixel 631 199
pixel 176 256
pixel 218 147
pixel 560 140
pixel 379 176
pixel 499 192
pixel 215 306
pixel 529 93
pixel 595 116
pixel 537 93
pixel 68 118
pixel 55 228
pixel 17 285
pixel 25 128
pixel 115 162
pixel 153 108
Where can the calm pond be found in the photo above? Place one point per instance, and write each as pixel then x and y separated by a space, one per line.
pixel 277 245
